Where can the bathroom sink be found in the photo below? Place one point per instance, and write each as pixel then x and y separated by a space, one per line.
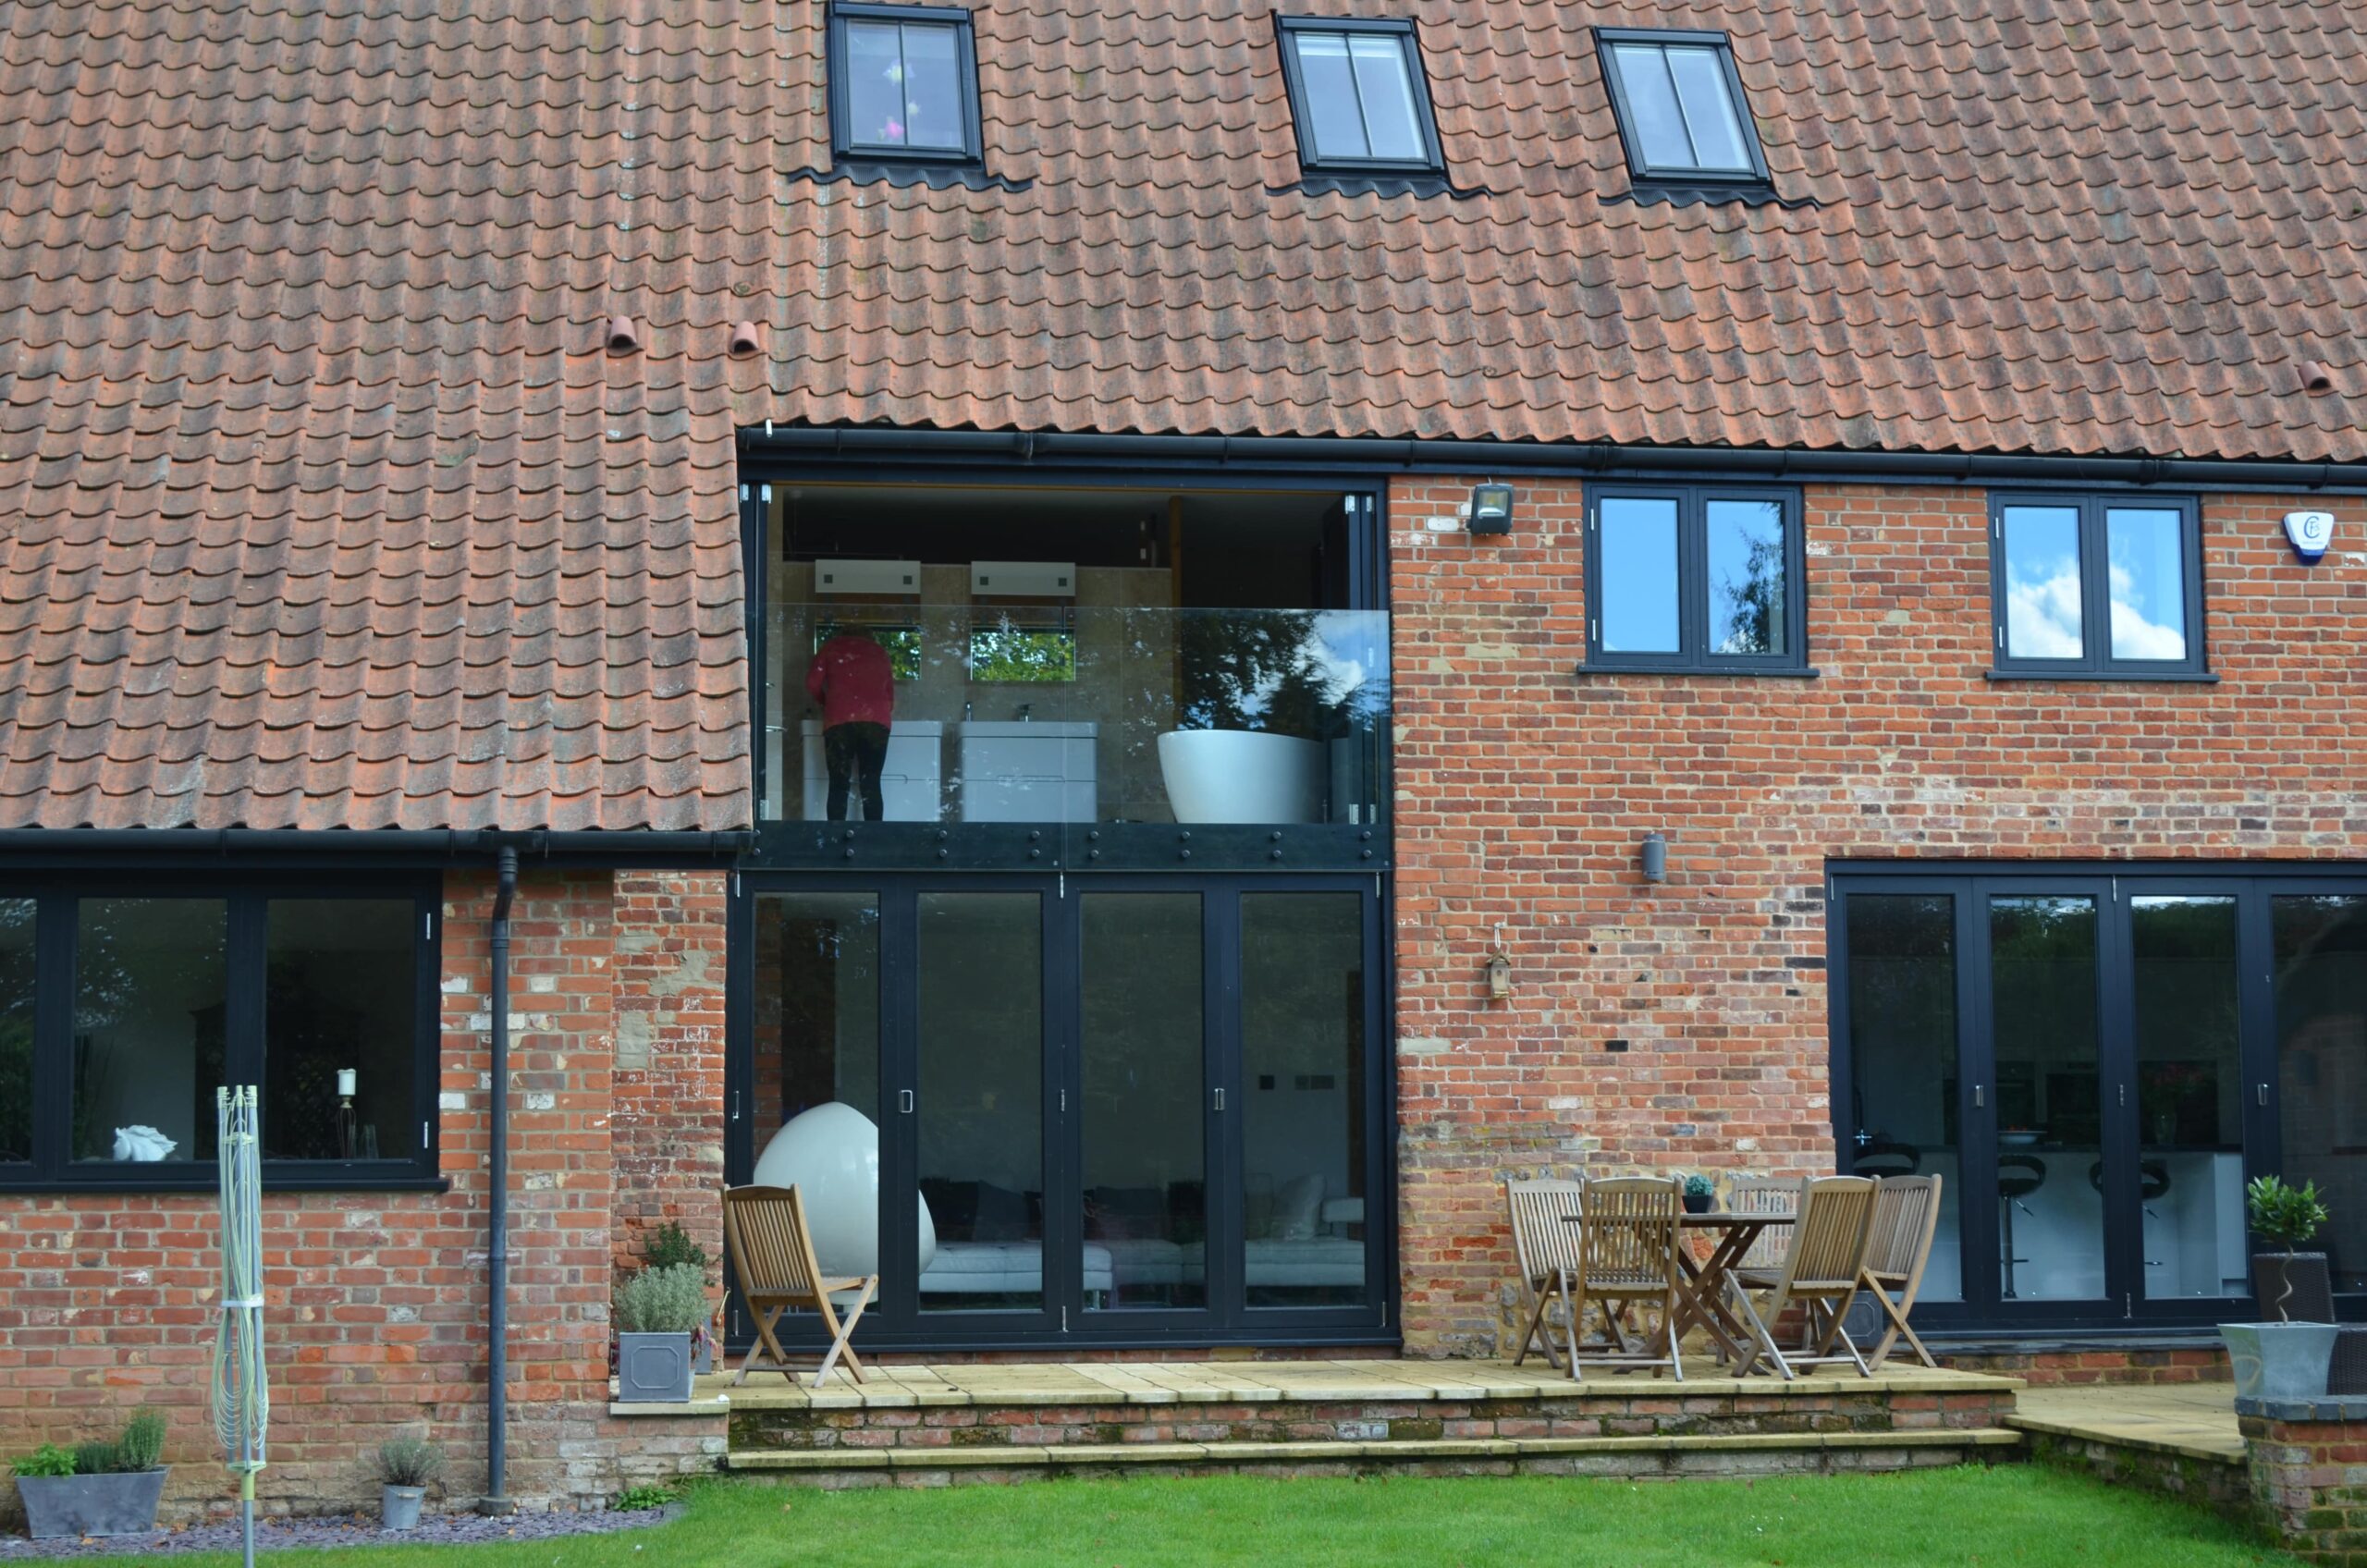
pixel 1023 771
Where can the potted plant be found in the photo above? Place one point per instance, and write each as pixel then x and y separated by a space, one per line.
pixel 407 1468
pixel 1700 1192
pixel 657 1311
pixel 2290 1285
pixel 95 1488
pixel 2279 1357
pixel 669 1246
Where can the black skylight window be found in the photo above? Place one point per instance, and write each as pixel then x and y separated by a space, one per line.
pixel 903 84
pixel 1357 96
pixel 1681 109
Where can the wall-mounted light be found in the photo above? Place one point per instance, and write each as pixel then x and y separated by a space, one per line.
pixel 1491 510
pixel 1500 976
pixel 1655 858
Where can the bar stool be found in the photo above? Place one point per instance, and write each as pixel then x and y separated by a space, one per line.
pixel 2019 1175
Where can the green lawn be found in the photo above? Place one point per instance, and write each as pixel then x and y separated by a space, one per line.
pixel 2016 1514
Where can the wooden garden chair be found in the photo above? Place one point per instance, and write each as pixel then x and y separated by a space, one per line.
pixel 1820 1273
pixel 1546 1245
pixel 1627 1259
pixel 1906 1213
pixel 1766 1194
pixel 772 1253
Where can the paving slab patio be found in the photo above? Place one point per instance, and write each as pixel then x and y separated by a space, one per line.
pixel 2192 1420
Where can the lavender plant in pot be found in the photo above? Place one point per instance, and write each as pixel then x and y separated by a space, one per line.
pixel 658 1311
pixel 669 1246
pixel 2283 1357
pixel 95 1488
pixel 407 1468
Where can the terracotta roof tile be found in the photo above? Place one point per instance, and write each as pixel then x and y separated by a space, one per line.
pixel 320 503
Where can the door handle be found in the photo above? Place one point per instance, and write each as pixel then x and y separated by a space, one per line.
pixel 904 1101
pixel 2263 1094
pixel 1220 1099
pixel 1979 1095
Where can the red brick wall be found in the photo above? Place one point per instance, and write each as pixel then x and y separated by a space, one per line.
pixel 1523 791
pixel 669 1110
pixel 377 1303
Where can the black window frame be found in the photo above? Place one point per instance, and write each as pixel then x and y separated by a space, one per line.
pixel 56 933
pixel 844 148
pixel 1641 169
pixel 1693 656
pixel 1409 41
pixel 2096 661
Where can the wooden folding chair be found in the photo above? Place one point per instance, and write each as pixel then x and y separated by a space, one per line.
pixel 1906 1213
pixel 1766 1194
pixel 1629 1258
pixel 1546 1249
pixel 1820 1272
pixel 772 1253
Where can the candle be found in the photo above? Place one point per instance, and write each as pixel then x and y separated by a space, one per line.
pixel 345 1076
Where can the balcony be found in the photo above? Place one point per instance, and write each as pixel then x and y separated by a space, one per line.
pixel 1080 735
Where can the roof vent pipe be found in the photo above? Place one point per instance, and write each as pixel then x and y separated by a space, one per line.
pixel 497 1498
pixel 745 343
pixel 623 337
pixel 2314 377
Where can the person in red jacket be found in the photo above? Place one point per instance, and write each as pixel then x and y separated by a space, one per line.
pixel 856 683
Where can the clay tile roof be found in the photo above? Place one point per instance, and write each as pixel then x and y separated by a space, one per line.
pixel 321 502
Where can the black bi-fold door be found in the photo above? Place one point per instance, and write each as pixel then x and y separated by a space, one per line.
pixel 2095 1064
pixel 1143 1109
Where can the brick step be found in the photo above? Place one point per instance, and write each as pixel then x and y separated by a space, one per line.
pixel 1432 1451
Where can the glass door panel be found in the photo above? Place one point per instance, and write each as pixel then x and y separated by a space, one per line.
pixel 2048 1047
pixel 2186 1020
pixel 1143 1065
pixel 979 1139
pixel 1903 1055
pixel 1303 1010
pixel 2319 942
pixel 814 1069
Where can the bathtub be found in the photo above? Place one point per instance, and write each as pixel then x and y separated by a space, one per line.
pixel 1242 776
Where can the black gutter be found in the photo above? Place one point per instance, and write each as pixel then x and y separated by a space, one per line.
pixel 496 1379
pixel 194 846
pixel 1332 454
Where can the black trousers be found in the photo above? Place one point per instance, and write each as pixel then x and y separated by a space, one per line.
pixel 853 750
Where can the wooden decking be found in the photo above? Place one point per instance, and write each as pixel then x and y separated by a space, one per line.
pixel 1252 1382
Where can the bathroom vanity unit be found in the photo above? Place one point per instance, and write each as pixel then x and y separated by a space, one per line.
pixel 912 786
pixel 1025 771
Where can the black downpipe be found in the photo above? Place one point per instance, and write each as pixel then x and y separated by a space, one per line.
pixel 497 1411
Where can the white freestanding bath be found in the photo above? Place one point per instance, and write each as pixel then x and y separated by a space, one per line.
pixel 1242 776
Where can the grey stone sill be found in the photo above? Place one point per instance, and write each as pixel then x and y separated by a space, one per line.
pixel 2334 1407
pixel 2111 676
pixel 1718 672
pixel 720 1405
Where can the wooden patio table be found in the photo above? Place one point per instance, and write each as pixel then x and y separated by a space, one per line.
pixel 1702 1285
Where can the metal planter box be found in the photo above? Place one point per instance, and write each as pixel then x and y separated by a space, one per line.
pixel 654 1368
pixel 2285 1361
pixel 90 1505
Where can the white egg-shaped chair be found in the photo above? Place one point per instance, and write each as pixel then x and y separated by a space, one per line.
pixel 831 1155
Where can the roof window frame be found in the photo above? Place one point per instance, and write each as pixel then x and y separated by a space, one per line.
pixel 1408 35
pixel 1641 170
pixel 844 148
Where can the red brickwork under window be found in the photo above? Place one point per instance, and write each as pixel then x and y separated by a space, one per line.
pixel 377 1304
pixel 1523 793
